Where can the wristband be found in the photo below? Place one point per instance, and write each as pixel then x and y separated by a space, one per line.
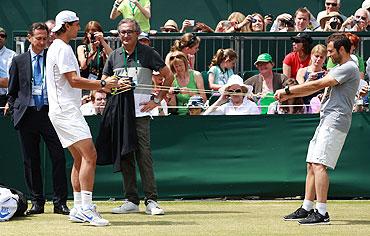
pixel 116 5
pixel 287 91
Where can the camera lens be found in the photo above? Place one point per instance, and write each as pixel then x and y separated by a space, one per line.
pixel 254 20
pixel 333 24
pixel 92 38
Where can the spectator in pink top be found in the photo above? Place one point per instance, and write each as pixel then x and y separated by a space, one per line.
pixel 299 57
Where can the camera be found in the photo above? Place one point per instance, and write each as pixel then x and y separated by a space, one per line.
pixel 288 23
pixel 252 20
pixel 355 21
pixel 334 23
pixel 92 37
pixel 192 22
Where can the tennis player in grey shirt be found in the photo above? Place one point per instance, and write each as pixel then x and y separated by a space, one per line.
pixel 335 120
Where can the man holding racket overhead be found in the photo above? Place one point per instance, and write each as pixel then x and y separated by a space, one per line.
pixel 124 135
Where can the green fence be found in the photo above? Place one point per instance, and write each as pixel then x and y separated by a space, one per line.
pixel 217 156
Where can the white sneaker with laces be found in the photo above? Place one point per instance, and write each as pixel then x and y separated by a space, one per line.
pixel 92 216
pixel 125 208
pixel 152 208
pixel 74 217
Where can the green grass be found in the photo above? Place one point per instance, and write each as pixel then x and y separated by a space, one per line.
pixel 201 218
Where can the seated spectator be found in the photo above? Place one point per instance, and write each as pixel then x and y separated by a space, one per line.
pixel 138 10
pixel 186 84
pixel 144 39
pixel 50 24
pixel 234 99
pixel 158 82
pixel 330 6
pixel 299 57
pixel 330 22
pixel 96 105
pixel 93 52
pixel 189 45
pixel 358 22
pixel 300 23
pixel 221 68
pixel 362 100
pixel 313 72
pixel 170 27
pixel 355 40
pixel 195 105
pixel 202 27
pixel 266 82
pixel 290 106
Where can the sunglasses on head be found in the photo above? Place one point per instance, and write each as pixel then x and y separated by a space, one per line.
pixel 192 40
pixel 234 91
pixel 331 3
pixel 3 36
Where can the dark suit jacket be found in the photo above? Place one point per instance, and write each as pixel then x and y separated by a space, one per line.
pixel 20 88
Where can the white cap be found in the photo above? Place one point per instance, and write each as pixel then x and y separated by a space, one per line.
pixel 366 4
pixel 64 17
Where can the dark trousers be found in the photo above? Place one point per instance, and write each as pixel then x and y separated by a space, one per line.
pixel 143 157
pixel 34 125
pixel 3 101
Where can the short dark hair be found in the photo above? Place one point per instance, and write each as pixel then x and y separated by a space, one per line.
pixel 38 26
pixel 63 29
pixel 339 40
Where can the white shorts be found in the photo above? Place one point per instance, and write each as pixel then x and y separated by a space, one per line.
pixel 325 146
pixel 70 126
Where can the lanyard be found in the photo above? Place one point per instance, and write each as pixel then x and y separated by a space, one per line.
pixel 125 64
pixel 132 8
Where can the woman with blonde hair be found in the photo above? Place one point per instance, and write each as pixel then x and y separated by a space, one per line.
pixel 189 45
pixel 255 23
pixel 186 84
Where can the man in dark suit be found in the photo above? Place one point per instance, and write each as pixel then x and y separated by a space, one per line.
pixel 28 105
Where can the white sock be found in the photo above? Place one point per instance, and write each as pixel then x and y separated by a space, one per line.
pixel 77 199
pixel 321 208
pixel 307 205
pixel 86 199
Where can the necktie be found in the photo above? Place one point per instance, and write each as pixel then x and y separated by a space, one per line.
pixel 37 76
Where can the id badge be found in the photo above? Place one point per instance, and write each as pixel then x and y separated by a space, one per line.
pixel 92 77
pixel 37 90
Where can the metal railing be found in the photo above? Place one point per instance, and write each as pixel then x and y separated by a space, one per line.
pixel 247 45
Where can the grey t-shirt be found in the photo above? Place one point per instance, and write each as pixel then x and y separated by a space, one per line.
pixel 336 112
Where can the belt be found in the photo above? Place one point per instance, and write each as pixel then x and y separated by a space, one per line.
pixel 43 108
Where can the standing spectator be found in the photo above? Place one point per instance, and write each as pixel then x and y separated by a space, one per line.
pixel 358 22
pixel 234 99
pixel 28 104
pixel 189 45
pixel 300 57
pixel 124 136
pixel 50 24
pixel 266 82
pixel 331 6
pixel 64 86
pixel 6 56
pixel 221 68
pixel 93 52
pixel 331 22
pixel 335 121
pixel 96 105
pixel 138 10
pixel 187 82
pixel 170 27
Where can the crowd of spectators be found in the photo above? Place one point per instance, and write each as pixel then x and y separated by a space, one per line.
pixel 305 62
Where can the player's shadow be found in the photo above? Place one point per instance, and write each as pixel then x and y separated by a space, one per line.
pixel 204 212
pixel 350 222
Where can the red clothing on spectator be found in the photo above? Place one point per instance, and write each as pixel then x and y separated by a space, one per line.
pixel 292 60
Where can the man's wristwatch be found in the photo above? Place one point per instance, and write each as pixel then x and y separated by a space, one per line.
pixel 287 91
pixel 102 83
pixel 156 100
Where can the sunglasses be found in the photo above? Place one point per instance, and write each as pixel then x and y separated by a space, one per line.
pixel 361 17
pixel 128 32
pixel 192 40
pixel 331 3
pixel 3 36
pixel 234 91
pixel 169 30
pixel 177 56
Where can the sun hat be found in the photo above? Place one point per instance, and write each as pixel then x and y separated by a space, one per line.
pixel 324 18
pixel 236 79
pixel 366 4
pixel 170 24
pixel 64 17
